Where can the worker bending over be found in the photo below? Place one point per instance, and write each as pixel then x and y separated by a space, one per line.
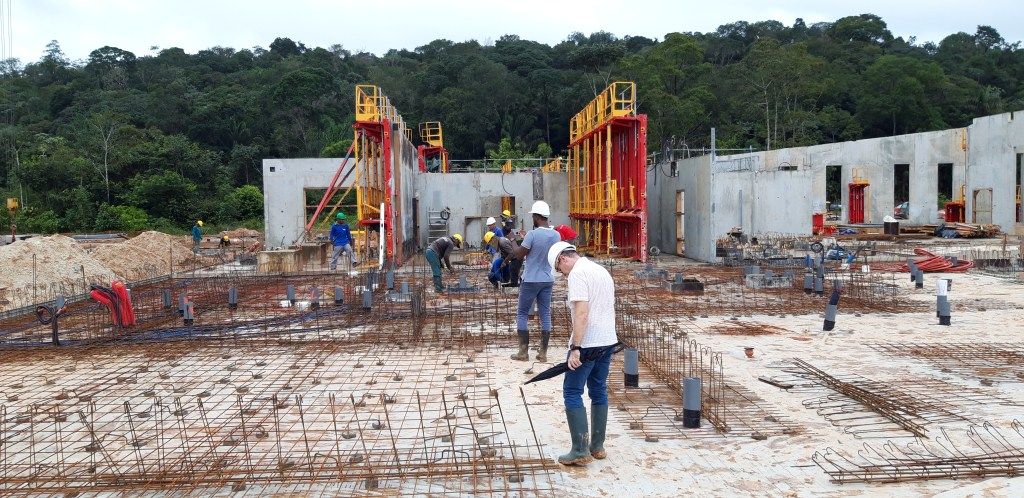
pixel 492 227
pixel 499 267
pixel 438 251
pixel 591 301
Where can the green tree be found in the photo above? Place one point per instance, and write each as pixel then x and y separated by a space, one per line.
pixel 898 95
pixel 165 195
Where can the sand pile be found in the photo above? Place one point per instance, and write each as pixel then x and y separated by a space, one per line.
pixel 58 260
pixel 146 255
pixel 239 233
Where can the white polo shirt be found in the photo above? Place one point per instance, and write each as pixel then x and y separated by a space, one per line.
pixel 591 282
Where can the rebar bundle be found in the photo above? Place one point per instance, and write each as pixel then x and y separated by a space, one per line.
pixel 989 452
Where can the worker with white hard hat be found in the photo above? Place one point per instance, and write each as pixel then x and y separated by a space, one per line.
pixel 591 301
pixel 492 227
pixel 537 281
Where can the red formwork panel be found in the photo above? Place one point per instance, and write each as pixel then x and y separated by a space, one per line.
pixel 857 197
pixel 379 132
pixel 622 158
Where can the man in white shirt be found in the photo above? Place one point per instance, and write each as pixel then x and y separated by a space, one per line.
pixel 591 301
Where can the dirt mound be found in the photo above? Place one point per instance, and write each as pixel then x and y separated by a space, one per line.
pixel 146 255
pixel 59 267
pixel 240 233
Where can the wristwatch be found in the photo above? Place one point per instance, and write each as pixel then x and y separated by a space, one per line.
pixel 575 348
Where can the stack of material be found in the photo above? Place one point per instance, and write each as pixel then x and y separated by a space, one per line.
pixel 972 231
pixel 928 262
pixel 43 262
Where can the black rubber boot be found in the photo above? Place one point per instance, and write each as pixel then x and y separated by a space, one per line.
pixel 524 344
pixel 598 422
pixel 542 355
pixel 580 452
pixel 437 284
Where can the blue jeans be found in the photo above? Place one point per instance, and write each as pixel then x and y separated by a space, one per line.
pixel 498 274
pixel 528 293
pixel 592 373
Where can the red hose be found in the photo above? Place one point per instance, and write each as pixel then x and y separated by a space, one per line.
pixel 928 263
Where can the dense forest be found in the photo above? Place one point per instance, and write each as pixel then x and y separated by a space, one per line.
pixel 123 141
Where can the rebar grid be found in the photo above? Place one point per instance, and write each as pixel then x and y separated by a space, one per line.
pixel 901 407
pixel 670 356
pixel 983 360
pixel 174 416
pixel 987 452
pixel 725 293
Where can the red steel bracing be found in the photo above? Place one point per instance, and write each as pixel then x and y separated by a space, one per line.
pixel 425 151
pixel 629 170
pixel 380 133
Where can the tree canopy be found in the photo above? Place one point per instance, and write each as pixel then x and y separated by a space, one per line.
pixel 120 140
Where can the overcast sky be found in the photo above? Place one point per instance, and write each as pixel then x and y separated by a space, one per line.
pixel 136 25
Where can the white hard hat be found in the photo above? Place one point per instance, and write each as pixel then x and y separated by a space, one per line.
pixel 490 220
pixel 541 208
pixel 556 249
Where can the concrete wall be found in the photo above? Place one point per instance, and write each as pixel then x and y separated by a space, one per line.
pixel 284 184
pixel 472 197
pixel 873 159
pixel 993 145
pixel 694 178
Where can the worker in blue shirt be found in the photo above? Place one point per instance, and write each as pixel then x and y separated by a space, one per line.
pixel 341 238
pixel 492 227
pixel 197 236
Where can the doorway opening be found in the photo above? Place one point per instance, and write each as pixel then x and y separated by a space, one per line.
pixel 680 221
pixel 1017 190
pixel 901 191
pixel 833 191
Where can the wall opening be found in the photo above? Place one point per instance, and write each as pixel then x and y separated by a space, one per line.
pixel 945 184
pixel 834 191
pixel 1018 193
pixel 680 221
pixel 901 191
pixel 335 205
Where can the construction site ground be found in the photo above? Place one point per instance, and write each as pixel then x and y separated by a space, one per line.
pixel 313 397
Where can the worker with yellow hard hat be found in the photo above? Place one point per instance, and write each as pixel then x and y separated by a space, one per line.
pixel 197 236
pixel 437 252
pixel 492 227
pixel 508 223
pixel 500 271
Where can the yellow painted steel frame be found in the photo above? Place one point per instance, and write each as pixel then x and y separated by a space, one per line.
pixel 592 191
pixel 618 100
pixel 432 134
pixel 555 165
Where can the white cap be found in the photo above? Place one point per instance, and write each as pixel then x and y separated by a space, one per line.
pixel 556 249
pixel 541 208
pixel 490 221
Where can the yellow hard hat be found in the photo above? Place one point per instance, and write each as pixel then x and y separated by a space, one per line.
pixel 200 223
pixel 487 237
pixel 506 213
pixel 457 237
